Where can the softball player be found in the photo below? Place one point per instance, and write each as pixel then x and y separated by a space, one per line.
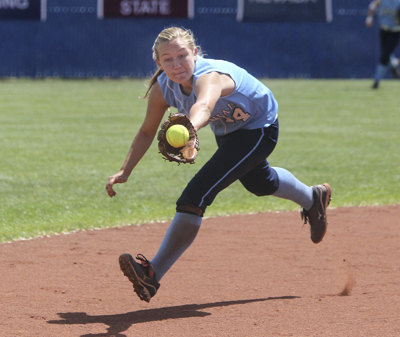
pixel 389 35
pixel 243 114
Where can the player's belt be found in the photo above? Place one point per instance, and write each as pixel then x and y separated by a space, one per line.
pixel 390 29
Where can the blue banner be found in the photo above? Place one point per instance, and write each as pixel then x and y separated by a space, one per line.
pixel 23 10
pixel 145 8
pixel 284 10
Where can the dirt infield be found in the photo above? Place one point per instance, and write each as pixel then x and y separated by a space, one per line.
pixel 250 275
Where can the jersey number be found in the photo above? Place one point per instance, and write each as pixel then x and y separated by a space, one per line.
pixel 240 115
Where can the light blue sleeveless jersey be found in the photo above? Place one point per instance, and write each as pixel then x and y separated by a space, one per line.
pixel 250 106
pixel 387 14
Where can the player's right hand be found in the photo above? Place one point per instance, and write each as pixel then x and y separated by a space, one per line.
pixel 118 178
pixel 369 21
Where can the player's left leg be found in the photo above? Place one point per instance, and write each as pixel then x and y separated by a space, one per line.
pixel 388 42
pixel 392 44
pixel 291 188
pixel 314 200
pixel 382 66
pixel 394 65
pixel 278 182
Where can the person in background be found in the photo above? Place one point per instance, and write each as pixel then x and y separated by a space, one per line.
pixel 388 12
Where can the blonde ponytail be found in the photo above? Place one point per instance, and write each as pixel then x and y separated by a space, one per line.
pixel 153 81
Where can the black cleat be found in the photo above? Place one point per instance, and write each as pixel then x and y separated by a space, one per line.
pixel 142 275
pixel 316 215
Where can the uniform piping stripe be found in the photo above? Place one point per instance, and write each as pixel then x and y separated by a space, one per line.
pixel 241 161
pixel 180 102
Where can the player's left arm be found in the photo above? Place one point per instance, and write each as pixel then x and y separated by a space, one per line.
pixel 209 88
pixel 372 8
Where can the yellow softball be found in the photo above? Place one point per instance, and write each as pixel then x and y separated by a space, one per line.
pixel 177 135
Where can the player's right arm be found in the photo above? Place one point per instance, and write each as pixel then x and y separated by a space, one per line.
pixel 373 6
pixel 156 107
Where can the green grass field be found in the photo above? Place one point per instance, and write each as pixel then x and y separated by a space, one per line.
pixel 62 139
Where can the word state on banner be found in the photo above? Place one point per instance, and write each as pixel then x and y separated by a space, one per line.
pixel 145 8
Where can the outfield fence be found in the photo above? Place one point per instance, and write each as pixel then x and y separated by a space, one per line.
pixel 90 38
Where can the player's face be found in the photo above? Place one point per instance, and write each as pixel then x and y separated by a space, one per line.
pixel 177 60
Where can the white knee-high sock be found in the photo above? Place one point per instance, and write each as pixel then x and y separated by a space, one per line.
pixel 380 71
pixel 394 61
pixel 180 234
pixel 291 188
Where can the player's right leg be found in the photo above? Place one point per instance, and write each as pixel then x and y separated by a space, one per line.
pixel 145 276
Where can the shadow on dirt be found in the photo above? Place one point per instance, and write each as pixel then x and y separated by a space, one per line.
pixel 121 322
